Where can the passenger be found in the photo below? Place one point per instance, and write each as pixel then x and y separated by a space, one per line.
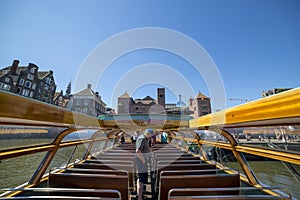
pixel 141 158
pixel 164 138
pixel 122 139
pixel 134 137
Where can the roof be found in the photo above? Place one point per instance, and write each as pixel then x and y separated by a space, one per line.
pixel 57 94
pixel 125 95
pixel 89 92
pixel 145 101
pixel 43 74
pixel 85 92
pixel 200 96
pixel 19 69
pixel 148 98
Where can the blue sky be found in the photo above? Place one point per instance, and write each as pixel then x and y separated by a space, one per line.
pixel 255 44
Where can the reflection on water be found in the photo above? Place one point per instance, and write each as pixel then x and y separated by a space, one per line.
pixel 16 171
pixel 274 173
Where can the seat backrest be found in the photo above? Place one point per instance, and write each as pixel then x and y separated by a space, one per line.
pixel 178 167
pixel 185 172
pixel 197 181
pixel 125 167
pixel 90 181
pixel 108 162
pixel 228 197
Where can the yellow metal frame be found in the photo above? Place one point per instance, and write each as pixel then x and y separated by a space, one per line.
pixel 279 109
pixel 276 110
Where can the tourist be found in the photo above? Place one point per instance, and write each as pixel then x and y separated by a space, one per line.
pixel 141 158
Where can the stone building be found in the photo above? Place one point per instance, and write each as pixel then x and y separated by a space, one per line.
pixel 200 105
pixel 87 102
pixel 28 81
pixel 127 105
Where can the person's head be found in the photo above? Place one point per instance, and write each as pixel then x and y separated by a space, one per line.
pixel 148 132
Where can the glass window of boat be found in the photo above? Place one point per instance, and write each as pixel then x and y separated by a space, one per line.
pixel 80 135
pixel 16 171
pixel 20 136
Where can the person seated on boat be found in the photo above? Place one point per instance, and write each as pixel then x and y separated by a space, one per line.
pixel 142 155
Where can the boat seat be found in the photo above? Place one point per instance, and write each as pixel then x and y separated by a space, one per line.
pixel 58 198
pixel 94 171
pixel 190 161
pixel 108 162
pixel 186 172
pixel 228 197
pixel 100 166
pixel 114 157
pixel 121 150
pixel 178 167
pixel 67 193
pixel 221 193
pixel 175 157
pixel 117 154
pixel 196 181
pixel 90 181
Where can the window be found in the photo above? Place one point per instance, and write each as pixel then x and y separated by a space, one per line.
pixel 21 82
pixel 4 86
pixel 32 70
pixel 204 107
pixel 25 92
pixel 85 110
pixel 30 76
pixel 86 102
pixel 48 80
pixel 6 79
pixel 78 101
pixel 31 94
pixel 33 86
pixel 28 84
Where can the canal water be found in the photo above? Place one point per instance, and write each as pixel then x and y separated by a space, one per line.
pixel 16 171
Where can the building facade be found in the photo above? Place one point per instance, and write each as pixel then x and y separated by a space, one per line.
pixel 200 105
pixel 88 102
pixel 127 105
pixel 28 81
pixel 196 107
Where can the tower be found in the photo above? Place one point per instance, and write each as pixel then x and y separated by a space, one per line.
pixel 161 97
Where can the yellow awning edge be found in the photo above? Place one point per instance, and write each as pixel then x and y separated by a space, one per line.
pixel 279 109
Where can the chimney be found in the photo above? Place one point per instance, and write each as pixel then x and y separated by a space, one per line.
pixel 89 86
pixel 97 94
pixel 14 67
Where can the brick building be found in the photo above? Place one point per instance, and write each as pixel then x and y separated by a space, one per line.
pixel 28 81
pixel 200 105
pixel 127 104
